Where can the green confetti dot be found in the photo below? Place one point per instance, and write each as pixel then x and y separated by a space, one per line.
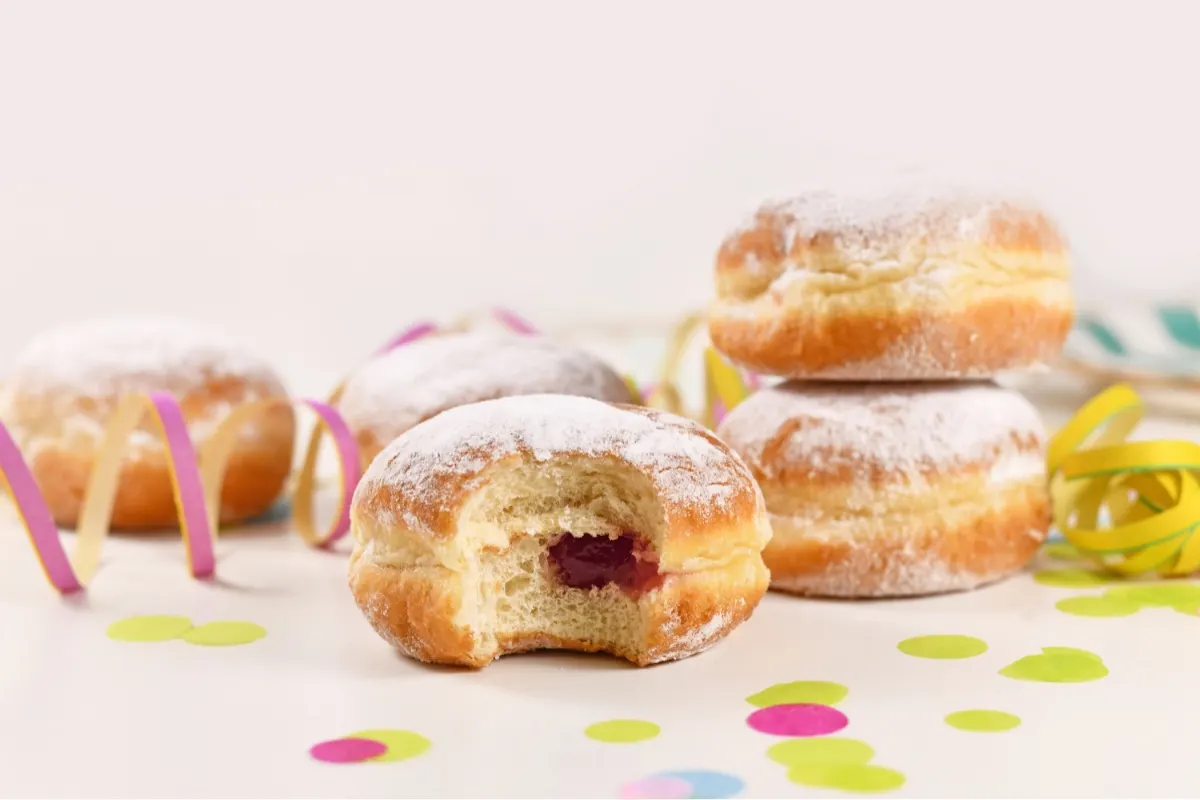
pixel 825 693
pixel 1057 665
pixel 982 721
pixel 1073 578
pixel 860 778
pixel 1158 594
pixel 943 646
pixel 400 744
pixel 1072 651
pixel 622 731
pixel 1097 606
pixel 149 628
pixel 1062 551
pixel 225 634
pixel 825 750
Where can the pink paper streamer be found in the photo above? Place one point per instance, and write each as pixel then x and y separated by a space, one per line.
pixel 43 533
pixel 197 530
pixel 515 321
pixel 347 448
pixel 410 334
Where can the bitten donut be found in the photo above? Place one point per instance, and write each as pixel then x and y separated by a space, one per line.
pixel 549 521
pixel 393 392
pixel 890 489
pixel 57 399
pixel 903 286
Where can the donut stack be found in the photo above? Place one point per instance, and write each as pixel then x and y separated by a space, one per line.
pixel 891 462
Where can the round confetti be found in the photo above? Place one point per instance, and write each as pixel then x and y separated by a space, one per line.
pixel 1057 665
pixel 622 731
pixel 830 750
pixel 400 744
pixel 657 787
pixel 863 778
pixel 982 721
pixel 825 693
pixel 1073 578
pixel 1097 606
pixel 797 719
pixel 225 634
pixel 1157 594
pixel 943 646
pixel 1063 551
pixel 150 628
pixel 347 751
pixel 708 784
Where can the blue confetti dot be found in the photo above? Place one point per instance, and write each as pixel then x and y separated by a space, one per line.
pixel 708 785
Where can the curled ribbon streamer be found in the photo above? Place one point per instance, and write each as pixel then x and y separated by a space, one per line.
pixel 1148 489
pixel 725 386
pixel 419 330
pixel 196 488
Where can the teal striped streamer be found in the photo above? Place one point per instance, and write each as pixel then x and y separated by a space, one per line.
pixel 1102 334
pixel 1183 325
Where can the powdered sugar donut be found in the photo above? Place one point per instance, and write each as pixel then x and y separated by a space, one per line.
pixel 894 489
pixel 907 285
pixel 393 392
pixel 549 521
pixel 58 396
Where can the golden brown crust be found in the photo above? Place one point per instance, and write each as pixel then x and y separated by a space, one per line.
pixel 986 338
pixel 974 544
pixel 907 288
pixel 706 492
pixel 414 609
pixel 894 489
pixel 61 458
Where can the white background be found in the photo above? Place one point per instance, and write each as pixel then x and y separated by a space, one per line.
pixel 312 176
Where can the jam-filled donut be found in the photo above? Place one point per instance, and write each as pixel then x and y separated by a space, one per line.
pixel 893 489
pixel 559 522
pixel 395 391
pixel 918 285
pixel 57 398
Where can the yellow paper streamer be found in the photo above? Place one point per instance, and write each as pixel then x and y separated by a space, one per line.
pixel 1132 507
pixel 724 385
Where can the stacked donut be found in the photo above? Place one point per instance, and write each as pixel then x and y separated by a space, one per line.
pixel 890 460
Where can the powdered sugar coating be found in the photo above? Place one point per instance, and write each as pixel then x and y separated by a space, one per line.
pixel 875 232
pixel 397 390
pixel 110 357
pixel 688 466
pixel 904 429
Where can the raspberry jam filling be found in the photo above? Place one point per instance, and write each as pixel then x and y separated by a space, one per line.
pixel 590 562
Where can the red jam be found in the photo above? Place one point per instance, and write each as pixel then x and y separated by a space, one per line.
pixel 590 562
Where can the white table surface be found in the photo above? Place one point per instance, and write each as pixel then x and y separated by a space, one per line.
pixel 84 715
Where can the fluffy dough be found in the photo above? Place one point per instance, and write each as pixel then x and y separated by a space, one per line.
pixel 454 524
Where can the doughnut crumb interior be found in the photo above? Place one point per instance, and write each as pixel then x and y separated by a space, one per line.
pixel 556 522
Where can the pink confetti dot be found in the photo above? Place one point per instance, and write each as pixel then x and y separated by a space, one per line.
pixel 656 787
pixel 797 719
pixel 347 751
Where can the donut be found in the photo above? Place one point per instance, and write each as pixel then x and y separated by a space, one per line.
pixel 58 396
pixel 887 490
pixel 896 286
pixel 556 522
pixel 393 392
